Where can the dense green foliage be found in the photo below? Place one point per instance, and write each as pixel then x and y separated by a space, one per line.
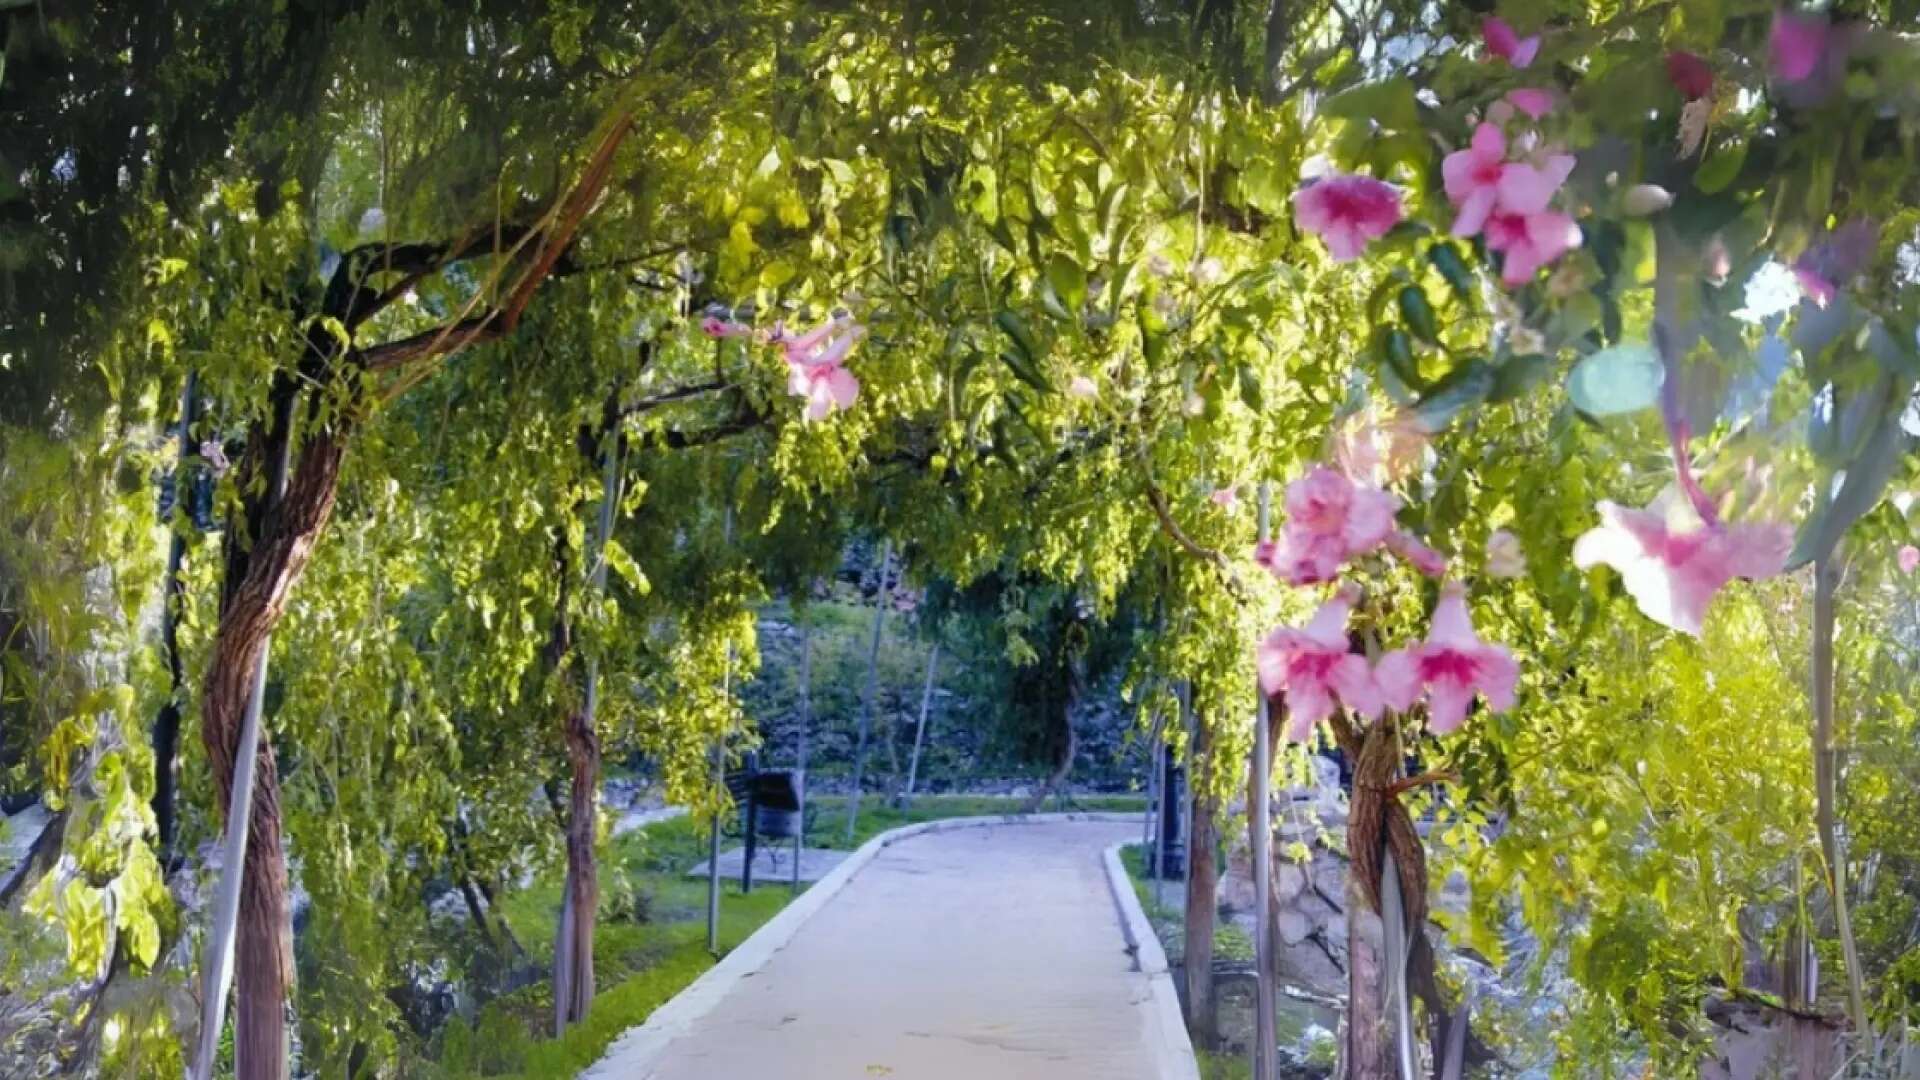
pixel 468 248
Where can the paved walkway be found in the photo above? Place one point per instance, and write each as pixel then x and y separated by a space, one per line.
pixel 987 953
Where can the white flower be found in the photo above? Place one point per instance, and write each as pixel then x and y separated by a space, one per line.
pixel 1083 388
pixel 1504 557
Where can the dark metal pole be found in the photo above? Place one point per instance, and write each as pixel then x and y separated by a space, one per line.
pixel 166 727
pixel 800 768
pixel 1266 1061
pixel 873 689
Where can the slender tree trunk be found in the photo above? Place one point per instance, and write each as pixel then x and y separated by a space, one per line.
pixel 1202 900
pixel 573 984
pixel 873 688
pixel 920 730
pixel 582 894
pixel 1826 783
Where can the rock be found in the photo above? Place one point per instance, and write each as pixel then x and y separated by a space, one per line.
pixel 1307 965
pixel 1289 881
pixel 1293 927
pixel 1330 877
pixel 1336 929
pixel 1235 892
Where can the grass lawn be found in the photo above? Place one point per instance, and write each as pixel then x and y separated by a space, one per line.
pixel 641 962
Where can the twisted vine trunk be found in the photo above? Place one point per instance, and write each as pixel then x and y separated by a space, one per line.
pixel 254 604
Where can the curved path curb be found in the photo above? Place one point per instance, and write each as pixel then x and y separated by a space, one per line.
pixel 1173 1049
pixel 631 1053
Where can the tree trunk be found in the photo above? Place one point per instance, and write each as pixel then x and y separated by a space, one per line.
pixel 573 951
pixel 254 603
pixel 806 699
pixel 1368 1051
pixel 573 981
pixel 1202 902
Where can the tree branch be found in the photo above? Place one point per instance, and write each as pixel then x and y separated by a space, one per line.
pixel 1158 500
pixel 678 393
pixel 555 235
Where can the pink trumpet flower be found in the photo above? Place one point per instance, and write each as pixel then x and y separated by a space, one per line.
pixel 1326 504
pixel 816 370
pixel 1504 42
pixel 1909 559
pixel 1449 668
pixel 826 387
pixel 1530 241
pixel 1418 555
pixel 1796 43
pixel 1302 559
pixel 1672 563
pixel 1226 498
pixel 1533 101
pixel 1831 264
pixel 1315 667
pixel 1347 212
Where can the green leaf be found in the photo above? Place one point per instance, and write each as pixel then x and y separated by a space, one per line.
pixel 1251 393
pixel 1418 314
pixel 1622 379
pixel 1393 350
pixel 1721 167
pixel 1390 104
pixel 1446 259
pixel 1068 281
pixel 1518 376
pixel 1016 328
pixel 620 562
pixel 1866 480
pixel 1462 388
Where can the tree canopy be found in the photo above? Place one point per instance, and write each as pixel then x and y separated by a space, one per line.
pixel 524 353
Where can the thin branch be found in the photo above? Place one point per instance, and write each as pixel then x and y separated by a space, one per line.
pixel 678 393
pixel 1158 500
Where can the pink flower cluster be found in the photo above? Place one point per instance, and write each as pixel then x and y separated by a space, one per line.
pixel 1331 520
pixel 1316 668
pixel 1509 201
pixel 816 360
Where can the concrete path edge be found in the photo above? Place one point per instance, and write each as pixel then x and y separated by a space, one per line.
pixel 1173 1050
pixel 636 1049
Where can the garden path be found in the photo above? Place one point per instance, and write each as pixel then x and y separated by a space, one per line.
pixel 991 951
